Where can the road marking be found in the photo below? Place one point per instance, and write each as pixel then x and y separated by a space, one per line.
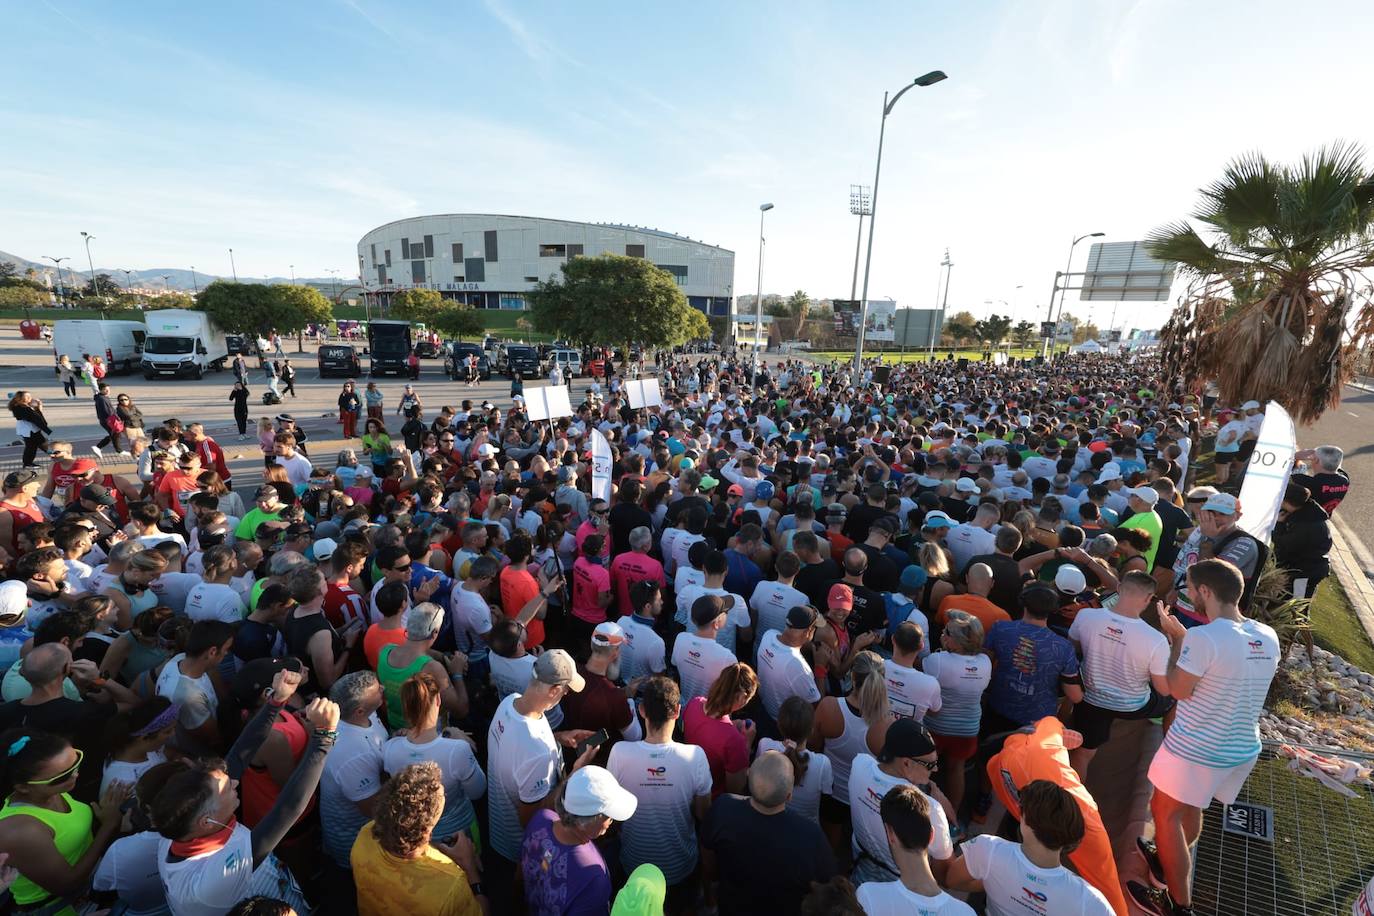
pixel 1353 414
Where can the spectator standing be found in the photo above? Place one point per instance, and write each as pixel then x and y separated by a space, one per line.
pixel 350 406
pixel 1302 541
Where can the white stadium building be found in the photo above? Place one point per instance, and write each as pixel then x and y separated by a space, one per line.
pixel 490 261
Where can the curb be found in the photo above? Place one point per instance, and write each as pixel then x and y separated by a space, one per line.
pixel 1354 566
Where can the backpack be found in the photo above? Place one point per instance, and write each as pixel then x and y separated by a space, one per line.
pixel 1261 557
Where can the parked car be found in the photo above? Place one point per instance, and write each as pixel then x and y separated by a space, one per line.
pixel 520 359
pixel 119 343
pixel 339 359
pixel 241 343
pixel 454 354
pixel 426 348
pixel 564 358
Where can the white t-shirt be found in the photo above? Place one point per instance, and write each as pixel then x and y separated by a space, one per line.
pixel 211 884
pixel 771 601
pixel 462 776
pixel 173 589
pixel 736 615
pixel 665 778
pixel 213 601
pixel 893 898
pixel 1218 726
pixel 681 545
pixel 686 577
pixel 129 867
pixel 867 786
pixel 1015 886
pixel 962 679
pixel 783 673
pixel 99 580
pixel 196 695
pixel 911 693
pixel 471 619
pixel 699 662
pixel 819 780
pixel 643 652
pixel 297 468
pixel 126 772
pixel 352 773
pixel 967 541
pixel 524 764
pixel 1228 437
pixel 512 675
pixel 1119 655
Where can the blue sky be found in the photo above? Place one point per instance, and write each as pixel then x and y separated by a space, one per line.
pixel 173 131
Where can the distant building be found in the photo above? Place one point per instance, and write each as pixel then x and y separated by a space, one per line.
pixel 491 261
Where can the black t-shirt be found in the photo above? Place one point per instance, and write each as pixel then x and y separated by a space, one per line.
pixel 870 611
pixel 814 582
pixel 957 509
pixel 882 574
pixel 255 640
pixel 860 517
pixel 1172 519
pixel 82 722
pixel 1006 580
pixel 624 518
pixel 1328 488
pixel 766 862
pixel 682 505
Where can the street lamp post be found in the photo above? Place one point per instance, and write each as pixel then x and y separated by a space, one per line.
pixel 928 79
pixel 95 282
pixel 1050 317
pixel 758 301
pixel 232 269
pixel 128 285
pixel 948 265
pixel 57 262
pixel 166 283
pixel 860 205
pixel 194 285
pixel 293 274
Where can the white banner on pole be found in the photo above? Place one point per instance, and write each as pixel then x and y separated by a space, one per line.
pixel 547 403
pixel 1266 476
pixel 644 393
pixel 601 466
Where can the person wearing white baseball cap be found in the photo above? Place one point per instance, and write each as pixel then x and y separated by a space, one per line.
pixel 1143 516
pixel 562 869
pixel 602 703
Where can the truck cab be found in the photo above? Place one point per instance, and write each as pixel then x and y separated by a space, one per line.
pixel 388 347
pixel 182 343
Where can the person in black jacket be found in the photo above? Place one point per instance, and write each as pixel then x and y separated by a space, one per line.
pixel 1302 541
pixel 30 424
pixel 109 421
pixel 239 397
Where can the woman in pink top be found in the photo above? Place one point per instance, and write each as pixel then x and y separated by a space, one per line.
pixel 727 743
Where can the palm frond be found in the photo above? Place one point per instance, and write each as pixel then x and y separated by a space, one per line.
pixel 1180 242
pixel 1245 200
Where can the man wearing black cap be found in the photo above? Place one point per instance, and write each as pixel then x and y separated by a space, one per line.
pixel 782 670
pixel 908 757
pixel 882 574
pixel 697 656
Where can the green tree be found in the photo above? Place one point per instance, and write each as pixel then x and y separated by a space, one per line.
pixel 1275 309
pixel 1024 333
pixel 8 269
pixel 992 330
pixel 21 297
pixel 256 308
pixel 107 286
pixel 960 328
pixel 175 300
pixel 416 304
pixel 458 320
pixel 1084 332
pixel 612 299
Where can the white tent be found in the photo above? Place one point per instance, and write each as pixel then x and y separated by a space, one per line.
pixel 1088 346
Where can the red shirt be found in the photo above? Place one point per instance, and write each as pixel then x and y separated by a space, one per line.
pixel 586 530
pixel 258 790
pixel 23 517
pixel 62 480
pixel 342 604
pixel 589 581
pixel 726 750
pixel 212 457
pixel 629 568
pixel 175 483
pixel 517 588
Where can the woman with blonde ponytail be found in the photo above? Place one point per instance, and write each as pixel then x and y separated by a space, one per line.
pixel 843 727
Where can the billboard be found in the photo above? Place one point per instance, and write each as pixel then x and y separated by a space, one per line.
pixel 881 321
pixel 1125 272
pixel 846 317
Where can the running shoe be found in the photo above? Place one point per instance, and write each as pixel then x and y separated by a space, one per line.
pixel 1155 901
pixel 98 452
pixel 1150 853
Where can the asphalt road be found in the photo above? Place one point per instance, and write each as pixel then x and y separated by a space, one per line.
pixel 1351 426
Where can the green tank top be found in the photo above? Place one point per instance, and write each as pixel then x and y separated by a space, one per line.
pixel 391 679
pixel 71 834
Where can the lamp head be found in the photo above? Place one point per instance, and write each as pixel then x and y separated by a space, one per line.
pixel 765 207
pixel 931 78
pixel 1096 235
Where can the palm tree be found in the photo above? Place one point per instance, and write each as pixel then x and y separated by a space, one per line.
pixel 1277 306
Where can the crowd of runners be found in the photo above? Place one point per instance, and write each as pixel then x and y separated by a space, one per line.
pixel 829 642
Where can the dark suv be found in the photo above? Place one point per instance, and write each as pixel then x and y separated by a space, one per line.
pixel 339 359
pixel 519 359
pixel 456 353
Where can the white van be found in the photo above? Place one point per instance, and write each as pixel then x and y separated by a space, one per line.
pixel 564 359
pixel 119 343
pixel 182 342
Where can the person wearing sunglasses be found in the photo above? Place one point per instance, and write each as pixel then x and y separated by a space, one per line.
pixel 52 839
pixel 908 757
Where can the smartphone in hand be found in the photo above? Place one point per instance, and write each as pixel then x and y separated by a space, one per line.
pixel 594 740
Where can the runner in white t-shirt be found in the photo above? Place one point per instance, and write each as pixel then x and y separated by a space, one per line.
pixel 215 601
pixel 1219 674
pixel 512 666
pixel 643 652
pixel 772 599
pixel 906 817
pixel 698 657
pixel 1029 877
pixel 796 721
pixel 672 782
pixel 782 670
pixel 907 758
pixel 911 693
pixel 737 616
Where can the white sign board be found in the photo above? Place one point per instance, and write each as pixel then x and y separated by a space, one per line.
pixel 601 466
pixel 547 403
pixel 881 322
pixel 1266 477
pixel 644 393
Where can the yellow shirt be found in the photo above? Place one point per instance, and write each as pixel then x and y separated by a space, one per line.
pixel 392 886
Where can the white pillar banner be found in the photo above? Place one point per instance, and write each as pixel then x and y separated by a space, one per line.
pixel 601 466
pixel 1266 476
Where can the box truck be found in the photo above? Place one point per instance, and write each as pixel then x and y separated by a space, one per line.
pixel 119 343
pixel 388 347
pixel 182 342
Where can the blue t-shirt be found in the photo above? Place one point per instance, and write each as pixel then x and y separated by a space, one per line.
pixel 741 574
pixel 561 879
pixel 1029 663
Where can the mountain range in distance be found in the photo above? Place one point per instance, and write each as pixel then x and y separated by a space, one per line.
pixel 178 278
